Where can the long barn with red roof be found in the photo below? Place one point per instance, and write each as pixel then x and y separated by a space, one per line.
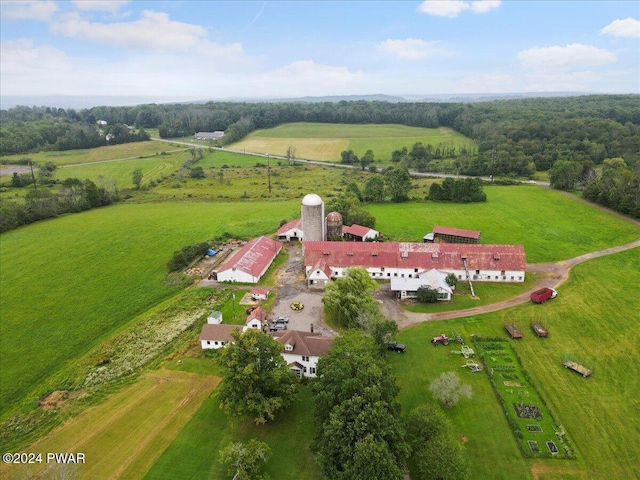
pixel 384 261
pixel 251 262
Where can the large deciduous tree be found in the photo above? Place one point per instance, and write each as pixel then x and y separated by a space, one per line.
pixel 255 378
pixel 398 183
pixel 245 461
pixel 349 296
pixel 360 435
pixel 136 178
pixel 448 389
pixel 374 189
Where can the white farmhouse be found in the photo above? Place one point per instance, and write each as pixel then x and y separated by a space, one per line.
pixel 257 319
pixel 216 335
pixel 408 287
pixel 301 350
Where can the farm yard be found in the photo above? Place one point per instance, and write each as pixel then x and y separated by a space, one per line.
pixel 93 278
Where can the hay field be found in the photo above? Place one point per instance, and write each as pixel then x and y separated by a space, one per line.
pixel 124 435
pixel 322 141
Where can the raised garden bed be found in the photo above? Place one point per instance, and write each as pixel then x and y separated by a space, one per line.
pixel 534 428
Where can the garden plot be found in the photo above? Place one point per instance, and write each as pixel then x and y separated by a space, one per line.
pixel 525 410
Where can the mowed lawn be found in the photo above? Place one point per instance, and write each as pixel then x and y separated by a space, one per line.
pixel 70 282
pixel 122 437
pixel 596 317
pixel 325 141
pixel 550 225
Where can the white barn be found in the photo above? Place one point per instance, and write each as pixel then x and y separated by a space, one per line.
pixel 290 231
pixel 408 287
pixel 251 262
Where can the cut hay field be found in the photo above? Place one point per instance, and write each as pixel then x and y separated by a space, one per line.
pixel 115 438
pixel 595 316
pixel 70 282
pixel 551 226
pixel 325 141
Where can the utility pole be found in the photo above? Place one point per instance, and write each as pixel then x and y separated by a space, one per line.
pixel 269 171
pixel 33 177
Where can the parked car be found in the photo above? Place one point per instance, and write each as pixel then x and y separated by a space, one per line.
pixel 281 320
pixel 278 326
pixel 396 347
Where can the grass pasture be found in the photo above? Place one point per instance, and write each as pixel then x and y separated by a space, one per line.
pixel 551 226
pixel 84 275
pixel 100 154
pixel 325 141
pixel 594 316
pixel 118 441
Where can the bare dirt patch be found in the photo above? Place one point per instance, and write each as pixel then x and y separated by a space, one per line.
pixel 54 400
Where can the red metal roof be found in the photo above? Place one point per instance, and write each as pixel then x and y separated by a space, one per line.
pixel 442 256
pixel 357 230
pixel 254 257
pixel 257 313
pixel 259 291
pixel 458 232
pixel 297 223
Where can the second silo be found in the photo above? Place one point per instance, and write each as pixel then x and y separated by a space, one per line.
pixel 334 226
pixel 312 212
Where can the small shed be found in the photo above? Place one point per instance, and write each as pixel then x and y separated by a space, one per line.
pixel 259 293
pixel 215 318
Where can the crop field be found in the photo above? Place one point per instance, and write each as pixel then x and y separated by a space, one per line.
pixel 117 441
pixel 594 317
pixel 323 141
pixel 85 275
pixel 551 226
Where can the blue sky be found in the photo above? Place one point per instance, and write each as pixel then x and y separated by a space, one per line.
pixel 199 50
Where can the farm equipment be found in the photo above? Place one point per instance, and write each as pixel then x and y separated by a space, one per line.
pixel 442 338
pixel 475 367
pixel 465 351
pixel 543 294
pixel 539 329
pixel 457 337
pixel 513 331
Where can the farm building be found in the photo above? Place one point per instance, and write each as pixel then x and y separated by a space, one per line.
pixel 215 317
pixel 290 231
pixel 209 135
pixel 216 335
pixel 259 293
pixel 251 262
pixel 408 287
pixel 319 275
pixel 256 319
pixel 451 235
pixel 301 350
pixel 358 233
pixel 488 263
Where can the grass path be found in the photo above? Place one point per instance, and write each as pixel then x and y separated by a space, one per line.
pixel 117 438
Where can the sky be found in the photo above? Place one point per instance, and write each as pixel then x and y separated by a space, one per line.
pixel 273 49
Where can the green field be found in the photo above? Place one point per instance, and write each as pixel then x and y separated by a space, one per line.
pixel 325 141
pixel 551 226
pixel 69 282
pixel 116 440
pixel 100 154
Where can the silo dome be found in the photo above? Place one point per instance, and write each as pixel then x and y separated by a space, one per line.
pixel 311 200
pixel 334 217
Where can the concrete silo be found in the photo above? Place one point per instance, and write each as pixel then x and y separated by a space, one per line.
pixel 313 228
pixel 334 226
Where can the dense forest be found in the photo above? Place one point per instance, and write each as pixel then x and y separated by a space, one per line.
pixel 514 137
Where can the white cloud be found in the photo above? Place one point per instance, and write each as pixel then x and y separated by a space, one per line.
pixel 569 57
pixel 306 75
pixel 112 6
pixel 154 32
pixel 452 8
pixel 409 49
pixel 29 10
pixel 629 27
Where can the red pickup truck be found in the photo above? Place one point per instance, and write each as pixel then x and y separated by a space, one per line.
pixel 542 295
